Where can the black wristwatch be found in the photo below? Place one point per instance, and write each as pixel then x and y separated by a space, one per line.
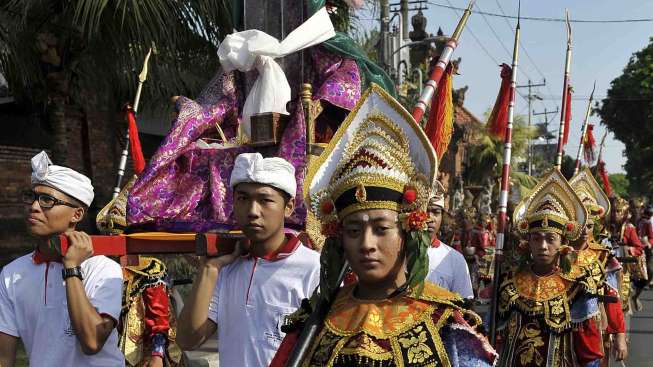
pixel 72 272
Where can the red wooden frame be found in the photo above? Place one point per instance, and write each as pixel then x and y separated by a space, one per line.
pixel 203 244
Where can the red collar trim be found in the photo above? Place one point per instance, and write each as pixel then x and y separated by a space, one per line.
pixel 39 258
pixel 284 251
pixel 435 243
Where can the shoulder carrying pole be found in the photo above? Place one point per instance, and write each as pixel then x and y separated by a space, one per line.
pixel 584 129
pixel 505 189
pixel 125 152
pixel 565 88
pixel 445 57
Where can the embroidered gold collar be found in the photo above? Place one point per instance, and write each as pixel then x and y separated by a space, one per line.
pixel 385 318
pixel 536 288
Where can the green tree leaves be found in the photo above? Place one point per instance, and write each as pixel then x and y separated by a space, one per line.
pixel 628 113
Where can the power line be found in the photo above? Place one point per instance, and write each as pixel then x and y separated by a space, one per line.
pixel 469 30
pixel 528 55
pixel 480 44
pixel 603 97
pixel 503 45
pixel 545 19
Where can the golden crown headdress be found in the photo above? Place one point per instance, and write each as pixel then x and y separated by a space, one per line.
pixel 378 159
pixel 552 206
pixel 595 200
pixel 437 194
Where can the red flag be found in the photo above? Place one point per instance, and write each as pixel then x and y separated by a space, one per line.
pixel 134 141
pixel 565 137
pixel 498 120
pixel 439 126
pixel 589 143
pixel 605 179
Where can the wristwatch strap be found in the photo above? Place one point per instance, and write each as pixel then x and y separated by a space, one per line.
pixel 72 272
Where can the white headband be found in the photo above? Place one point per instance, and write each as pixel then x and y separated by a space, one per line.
pixel 275 172
pixel 64 179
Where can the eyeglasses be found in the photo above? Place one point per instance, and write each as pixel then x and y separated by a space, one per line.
pixel 45 201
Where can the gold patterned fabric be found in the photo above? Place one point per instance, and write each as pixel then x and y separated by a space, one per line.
pixel 547 298
pixel 552 206
pixel 593 258
pixel 150 272
pixel 527 343
pixel 112 219
pixel 403 331
pixel 536 316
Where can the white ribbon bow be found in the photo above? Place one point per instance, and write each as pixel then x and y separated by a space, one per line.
pixel 252 48
pixel 40 164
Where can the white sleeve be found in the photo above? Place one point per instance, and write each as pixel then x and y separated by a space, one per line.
pixel 104 288
pixel 7 313
pixel 314 280
pixel 462 281
pixel 213 305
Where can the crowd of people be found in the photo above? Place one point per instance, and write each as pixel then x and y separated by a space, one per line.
pixel 397 294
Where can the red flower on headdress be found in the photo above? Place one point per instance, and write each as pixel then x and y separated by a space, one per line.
pixel 600 211
pixel 570 227
pixel 410 195
pixel 416 221
pixel 327 207
pixel 331 229
pixel 523 225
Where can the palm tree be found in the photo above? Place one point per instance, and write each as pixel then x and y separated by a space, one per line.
pixel 486 154
pixel 56 54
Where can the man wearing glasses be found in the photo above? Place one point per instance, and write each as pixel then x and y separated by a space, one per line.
pixel 64 309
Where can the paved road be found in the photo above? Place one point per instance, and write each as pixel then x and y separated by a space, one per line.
pixel 641 334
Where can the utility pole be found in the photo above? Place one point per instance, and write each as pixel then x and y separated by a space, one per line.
pixel 546 114
pixel 384 46
pixel 531 97
pixel 404 21
pixel 398 53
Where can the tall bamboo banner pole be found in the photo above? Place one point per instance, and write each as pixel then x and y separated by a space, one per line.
pixel 565 89
pixel 584 129
pixel 505 187
pixel 445 57
pixel 600 156
pixel 142 77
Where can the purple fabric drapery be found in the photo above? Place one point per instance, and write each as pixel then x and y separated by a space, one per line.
pixel 186 188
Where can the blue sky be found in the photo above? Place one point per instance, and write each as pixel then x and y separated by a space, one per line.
pixel 600 52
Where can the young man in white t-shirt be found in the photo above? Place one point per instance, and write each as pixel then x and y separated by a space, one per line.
pixel 63 309
pixel 247 294
pixel 447 267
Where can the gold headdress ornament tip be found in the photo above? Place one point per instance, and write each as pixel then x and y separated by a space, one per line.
pixel 552 206
pixel 596 201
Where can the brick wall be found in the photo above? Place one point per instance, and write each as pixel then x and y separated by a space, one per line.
pixel 91 150
pixel 15 171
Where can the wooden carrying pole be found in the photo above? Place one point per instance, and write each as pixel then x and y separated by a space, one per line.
pixel 203 244
pixel 505 188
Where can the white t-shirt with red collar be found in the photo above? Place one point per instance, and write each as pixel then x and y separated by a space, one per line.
pixel 448 269
pixel 34 308
pixel 252 298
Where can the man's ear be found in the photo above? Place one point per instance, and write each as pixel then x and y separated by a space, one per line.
pixel 290 207
pixel 78 215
